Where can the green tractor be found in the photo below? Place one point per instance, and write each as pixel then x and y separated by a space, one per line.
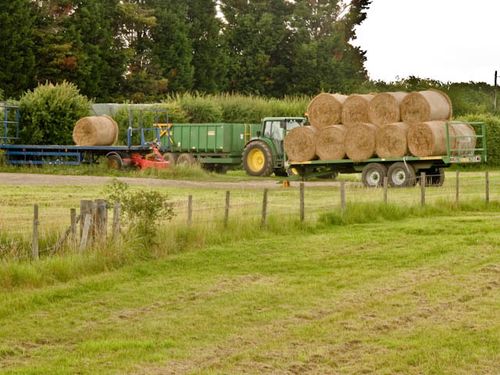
pixel 264 154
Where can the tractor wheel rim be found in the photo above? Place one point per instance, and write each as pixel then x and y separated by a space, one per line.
pixel 256 160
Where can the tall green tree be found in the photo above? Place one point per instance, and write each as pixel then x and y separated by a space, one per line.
pixel 17 59
pixel 101 57
pixel 256 32
pixel 172 49
pixel 209 54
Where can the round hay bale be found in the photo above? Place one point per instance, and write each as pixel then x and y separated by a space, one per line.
pixel 391 140
pixel 429 138
pixel 360 141
pixel 330 142
pixel 300 144
pixel 95 131
pixel 430 105
pixel 384 108
pixel 325 109
pixel 355 109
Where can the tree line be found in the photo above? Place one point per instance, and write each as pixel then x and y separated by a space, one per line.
pixel 142 50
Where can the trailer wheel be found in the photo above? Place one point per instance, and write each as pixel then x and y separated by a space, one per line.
pixel 258 159
pixel 373 175
pixel 115 161
pixel 402 175
pixel 186 159
pixel 434 177
pixel 171 158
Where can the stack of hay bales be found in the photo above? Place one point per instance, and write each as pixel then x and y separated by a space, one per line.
pixel 385 125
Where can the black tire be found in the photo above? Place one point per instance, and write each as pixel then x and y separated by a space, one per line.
pixel 221 168
pixel 258 159
pixel 401 175
pixel 435 177
pixel 373 175
pixel 114 161
pixel 186 159
pixel 171 158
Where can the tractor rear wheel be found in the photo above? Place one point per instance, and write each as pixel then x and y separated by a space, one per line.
pixel 258 159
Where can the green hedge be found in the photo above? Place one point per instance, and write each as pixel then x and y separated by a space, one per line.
pixel 493 134
pixel 49 113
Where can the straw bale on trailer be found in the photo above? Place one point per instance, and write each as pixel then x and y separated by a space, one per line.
pixel 429 105
pixel 429 138
pixel 300 144
pixel 360 141
pixel 384 108
pixel 391 140
pixel 325 109
pixel 95 131
pixel 355 109
pixel 330 142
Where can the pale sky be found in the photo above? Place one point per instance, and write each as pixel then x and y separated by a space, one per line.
pixel 447 40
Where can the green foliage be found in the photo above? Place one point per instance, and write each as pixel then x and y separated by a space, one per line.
pixel 201 109
pixel 17 59
pixel 49 113
pixel 493 134
pixel 143 209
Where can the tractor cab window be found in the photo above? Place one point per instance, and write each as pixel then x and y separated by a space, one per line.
pixel 273 130
pixel 291 124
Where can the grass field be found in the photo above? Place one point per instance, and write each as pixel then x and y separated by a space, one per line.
pixel 377 289
pixel 412 296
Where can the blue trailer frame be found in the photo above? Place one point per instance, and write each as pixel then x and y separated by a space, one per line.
pixel 19 154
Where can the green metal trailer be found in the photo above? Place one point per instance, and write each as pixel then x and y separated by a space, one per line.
pixel 405 171
pixel 216 146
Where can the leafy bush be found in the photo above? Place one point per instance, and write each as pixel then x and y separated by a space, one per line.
pixel 493 134
pixel 143 209
pixel 49 113
pixel 201 109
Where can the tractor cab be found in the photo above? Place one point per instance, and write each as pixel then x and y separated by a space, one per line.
pixel 264 154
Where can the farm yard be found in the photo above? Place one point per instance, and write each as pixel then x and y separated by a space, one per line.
pixel 379 288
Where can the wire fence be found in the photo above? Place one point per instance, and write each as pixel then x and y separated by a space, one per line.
pixel 301 201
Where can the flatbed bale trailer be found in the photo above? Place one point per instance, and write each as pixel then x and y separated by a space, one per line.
pixel 403 171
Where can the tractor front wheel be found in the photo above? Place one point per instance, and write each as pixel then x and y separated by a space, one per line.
pixel 258 159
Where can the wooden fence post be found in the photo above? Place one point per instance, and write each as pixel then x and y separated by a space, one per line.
pixel 116 220
pixel 87 223
pixel 85 208
pixel 422 188
pixel 34 244
pixel 457 191
pixel 264 209
pixel 386 183
pixel 487 192
pixel 190 211
pixel 102 219
pixel 343 203
pixel 226 209
pixel 73 227
pixel 302 205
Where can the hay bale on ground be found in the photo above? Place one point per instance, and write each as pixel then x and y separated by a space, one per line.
pixel 95 131
pixel 360 141
pixel 325 109
pixel 330 142
pixel 429 138
pixel 384 108
pixel 300 144
pixel 391 140
pixel 355 109
pixel 422 106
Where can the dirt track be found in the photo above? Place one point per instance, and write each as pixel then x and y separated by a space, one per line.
pixel 28 179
